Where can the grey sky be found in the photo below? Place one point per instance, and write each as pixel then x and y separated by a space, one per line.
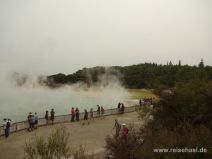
pixel 51 36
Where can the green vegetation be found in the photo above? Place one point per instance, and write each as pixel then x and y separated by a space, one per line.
pixel 54 147
pixel 142 93
pixel 181 119
pixel 148 75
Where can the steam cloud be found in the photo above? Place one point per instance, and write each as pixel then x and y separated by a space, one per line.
pixel 23 93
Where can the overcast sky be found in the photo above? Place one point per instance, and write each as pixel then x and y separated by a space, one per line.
pixel 51 36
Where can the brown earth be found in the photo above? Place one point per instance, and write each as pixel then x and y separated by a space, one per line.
pixel 90 136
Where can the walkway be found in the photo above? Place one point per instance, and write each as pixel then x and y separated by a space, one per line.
pixel 90 136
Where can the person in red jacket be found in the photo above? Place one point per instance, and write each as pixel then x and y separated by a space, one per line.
pixel 124 131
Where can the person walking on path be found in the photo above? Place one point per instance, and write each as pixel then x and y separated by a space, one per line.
pixel 91 114
pixel 102 112
pixel 98 111
pixel 77 114
pixel 72 114
pixel 52 116
pixel 47 117
pixel 85 117
pixel 117 126
pixel 124 131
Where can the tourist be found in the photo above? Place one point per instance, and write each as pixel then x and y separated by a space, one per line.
pixel 4 124
pixel 52 116
pixel 77 114
pixel 72 114
pixel 47 117
pixel 117 126
pixel 33 122
pixel 85 117
pixel 91 114
pixel 98 111
pixel 36 120
pixel 124 131
pixel 140 102
pixel 29 118
pixel 102 112
pixel 8 125
pixel 119 107
pixel 122 108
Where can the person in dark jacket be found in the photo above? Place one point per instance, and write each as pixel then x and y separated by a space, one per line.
pixel 102 112
pixel 29 119
pixel 52 116
pixel 47 117
pixel 5 127
pixel 85 117
pixel 122 108
pixel 77 114
pixel 8 125
pixel 98 111
pixel 119 107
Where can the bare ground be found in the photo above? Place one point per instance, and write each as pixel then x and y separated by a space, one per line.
pixel 90 136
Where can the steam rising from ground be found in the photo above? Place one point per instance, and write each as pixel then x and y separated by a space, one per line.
pixel 20 94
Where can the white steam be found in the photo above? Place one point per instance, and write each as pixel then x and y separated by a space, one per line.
pixel 28 96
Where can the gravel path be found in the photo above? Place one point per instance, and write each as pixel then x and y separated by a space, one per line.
pixel 90 136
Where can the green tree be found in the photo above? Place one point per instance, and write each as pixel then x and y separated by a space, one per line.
pixel 201 64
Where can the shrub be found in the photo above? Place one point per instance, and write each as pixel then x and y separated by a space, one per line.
pixel 124 148
pixel 54 147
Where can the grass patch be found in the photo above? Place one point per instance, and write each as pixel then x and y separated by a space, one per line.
pixel 142 93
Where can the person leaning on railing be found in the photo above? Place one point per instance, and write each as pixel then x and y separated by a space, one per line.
pixel 21 125
pixel 4 124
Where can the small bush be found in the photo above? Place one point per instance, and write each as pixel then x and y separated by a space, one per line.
pixel 124 148
pixel 81 154
pixel 54 147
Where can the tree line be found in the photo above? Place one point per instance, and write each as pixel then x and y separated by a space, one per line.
pixel 147 75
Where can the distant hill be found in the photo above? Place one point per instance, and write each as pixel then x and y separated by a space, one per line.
pixel 147 75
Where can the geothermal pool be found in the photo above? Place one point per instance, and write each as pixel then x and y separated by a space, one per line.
pixel 16 102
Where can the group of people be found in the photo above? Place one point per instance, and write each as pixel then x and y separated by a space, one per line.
pixel 74 114
pixel 32 121
pixel 121 108
pixel 100 111
pixel 6 126
pixel 146 101
pixel 121 130
pixel 50 117
pixel 88 116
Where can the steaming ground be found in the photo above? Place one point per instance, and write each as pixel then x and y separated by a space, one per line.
pixel 16 102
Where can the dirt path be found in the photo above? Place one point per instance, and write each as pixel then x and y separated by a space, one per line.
pixel 90 136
